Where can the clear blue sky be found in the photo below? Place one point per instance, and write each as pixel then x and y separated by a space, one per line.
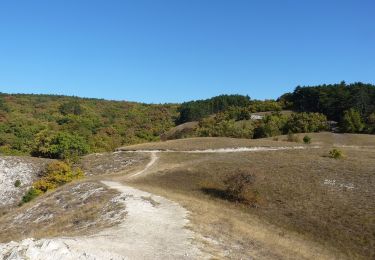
pixel 178 50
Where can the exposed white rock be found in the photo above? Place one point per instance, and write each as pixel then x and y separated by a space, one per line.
pixel 11 170
pixel 147 232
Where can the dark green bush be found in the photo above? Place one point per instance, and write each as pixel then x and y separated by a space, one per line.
pixel 31 194
pixel 17 183
pixel 307 139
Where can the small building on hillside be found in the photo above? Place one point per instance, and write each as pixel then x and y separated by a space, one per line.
pixel 256 117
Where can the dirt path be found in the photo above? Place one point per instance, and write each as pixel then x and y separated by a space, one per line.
pixel 228 150
pixel 154 228
pixel 154 158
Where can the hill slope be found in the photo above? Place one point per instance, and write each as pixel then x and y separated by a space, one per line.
pixel 98 125
pixel 295 203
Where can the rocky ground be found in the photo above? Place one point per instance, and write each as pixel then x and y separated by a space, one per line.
pixel 23 169
pixel 154 228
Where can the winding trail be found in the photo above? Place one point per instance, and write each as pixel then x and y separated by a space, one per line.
pixel 154 158
pixel 154 227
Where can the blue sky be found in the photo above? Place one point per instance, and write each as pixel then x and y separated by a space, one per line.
pixel 178 50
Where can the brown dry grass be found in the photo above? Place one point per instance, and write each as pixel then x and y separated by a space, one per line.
pixel 300 212
pixel 294 198
pixel 335 139
pixel 199 143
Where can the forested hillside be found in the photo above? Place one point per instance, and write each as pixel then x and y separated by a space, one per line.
pixel 61 126
pixel 333 100
pixel 196 110
pixel 67 127
pixel 351 106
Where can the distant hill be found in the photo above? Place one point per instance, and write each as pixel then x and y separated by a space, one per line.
pixel 65 127
pixel 96 125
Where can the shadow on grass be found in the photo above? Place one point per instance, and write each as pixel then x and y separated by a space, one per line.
pixel 221 194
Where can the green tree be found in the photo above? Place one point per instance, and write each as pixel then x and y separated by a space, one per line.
pixel 371 123
pixel 352 121
pixel 59 145
pixel 71 107
pixel 196 110
pixel 306 123
pixel 270 125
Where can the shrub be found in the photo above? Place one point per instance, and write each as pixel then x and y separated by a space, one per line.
pixel 270 125
pixel 17 183
pixel 352 121
pixel 57 174
pixel 216 126
pixel 292 138
pixel 336 154
pixel 236 185
pixel 307 139
pixel 306 123
pixel 31 194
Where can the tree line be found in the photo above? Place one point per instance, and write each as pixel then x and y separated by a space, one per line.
pixel 352 105
pixel 196 110
pixel 68 127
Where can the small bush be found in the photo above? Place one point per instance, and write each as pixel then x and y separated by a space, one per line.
pixel 335 154
pixel 237 184
pixel 17 183
pixel 307 139
pixel 292 138
pixel 57 174
pixel 31 194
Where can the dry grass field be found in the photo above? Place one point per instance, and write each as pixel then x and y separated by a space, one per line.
pixel 299 204
pixel 300 195
pixel 199 143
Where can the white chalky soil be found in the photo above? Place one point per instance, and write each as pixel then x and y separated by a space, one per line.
pixel 12 169
pixel 147 232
